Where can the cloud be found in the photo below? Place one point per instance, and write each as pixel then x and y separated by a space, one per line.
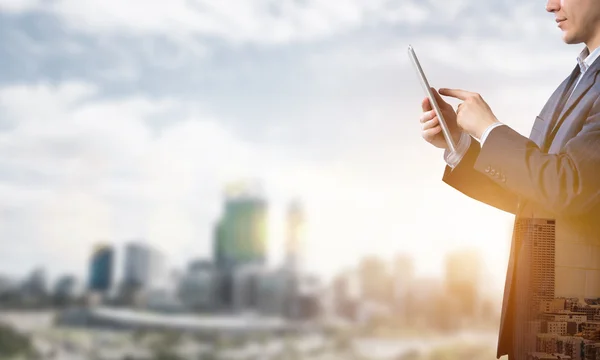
pixel 81 170
pixel 279 22
pixel 268 22
pixel 240 21
pixel 17 6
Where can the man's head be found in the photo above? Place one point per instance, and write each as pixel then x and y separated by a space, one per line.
pixel 579 20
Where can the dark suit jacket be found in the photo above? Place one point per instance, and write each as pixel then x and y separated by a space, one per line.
pixel 555 173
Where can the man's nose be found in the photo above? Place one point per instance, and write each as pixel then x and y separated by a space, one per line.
pixel 552 5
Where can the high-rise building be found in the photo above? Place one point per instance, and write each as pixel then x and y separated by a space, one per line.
pixel 293 268
pixel 241 233
pixel 375 280
pixel 273 294
pixel 538 235
pixel 403 274
pixel 535 243
pixel 463 270
pixel 36 285
pixel 197 287
pixel 240 237
pixel 144 267
pixel 245 287
pixel 101 268
pixel 294 246
pixel 200 265
pixel 402 286
pixel 66 288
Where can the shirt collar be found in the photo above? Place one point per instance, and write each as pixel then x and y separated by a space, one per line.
pixel 586 59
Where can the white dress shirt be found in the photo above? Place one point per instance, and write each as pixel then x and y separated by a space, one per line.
pixel 585 59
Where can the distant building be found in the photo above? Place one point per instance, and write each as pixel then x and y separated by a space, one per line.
pixel 241 233
pixel 553 305
pixel 375 280
pixel 273 296
pixel 345 295
pixel 267 291
pixel 294 267
pixel 463 269
pixel 144 267
pixel 36 285
pixel 403 265
pixel 67 287
pixel 163 300
pixel 200 265
pixel 197 287
pixel 310 297
pixel 294 246
pixel 402 284
pixel 245 291
pixel 7 286
pixel 101 268
pixel 240 237
pixel 538 235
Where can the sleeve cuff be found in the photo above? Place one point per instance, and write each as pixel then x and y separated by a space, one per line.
pixel 488 131
pixel 453 158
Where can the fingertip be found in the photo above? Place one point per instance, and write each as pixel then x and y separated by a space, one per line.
pixel 425 104
pixel 438 96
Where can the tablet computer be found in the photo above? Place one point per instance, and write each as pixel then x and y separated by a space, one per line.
pixel 429 93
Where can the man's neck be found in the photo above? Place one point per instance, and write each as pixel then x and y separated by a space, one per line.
pixel 591 49
pixel 593 44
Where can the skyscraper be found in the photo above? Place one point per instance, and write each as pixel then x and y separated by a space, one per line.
pixel 294 246
pixel 144 266
pixel 539 238
pixel 241 233
pixel 402 284
pixel 240 237
pixel 101 268
pixel 535 242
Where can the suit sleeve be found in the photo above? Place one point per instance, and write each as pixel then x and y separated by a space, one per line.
pixel 566 184
pixel 474 184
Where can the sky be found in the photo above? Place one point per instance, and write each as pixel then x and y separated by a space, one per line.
pixel 125 120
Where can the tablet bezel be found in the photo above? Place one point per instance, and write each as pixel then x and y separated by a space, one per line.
pixel 425 84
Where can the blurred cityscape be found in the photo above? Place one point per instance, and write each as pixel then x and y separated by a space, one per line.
pixel 563 320
pixel 235 306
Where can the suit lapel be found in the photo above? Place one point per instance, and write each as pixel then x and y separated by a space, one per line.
pixel 560 96
pixel 582 88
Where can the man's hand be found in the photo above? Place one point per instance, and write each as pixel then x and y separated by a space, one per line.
pixel 473 114
pixel 431 129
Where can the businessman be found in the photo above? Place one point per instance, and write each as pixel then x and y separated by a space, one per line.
pixel 552 174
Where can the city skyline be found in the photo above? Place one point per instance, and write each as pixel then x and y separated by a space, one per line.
pixel 105 274
pixel 294 229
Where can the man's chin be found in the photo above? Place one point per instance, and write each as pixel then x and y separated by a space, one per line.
pixel 570 39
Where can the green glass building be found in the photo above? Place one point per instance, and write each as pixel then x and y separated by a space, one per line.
pixel 241 234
